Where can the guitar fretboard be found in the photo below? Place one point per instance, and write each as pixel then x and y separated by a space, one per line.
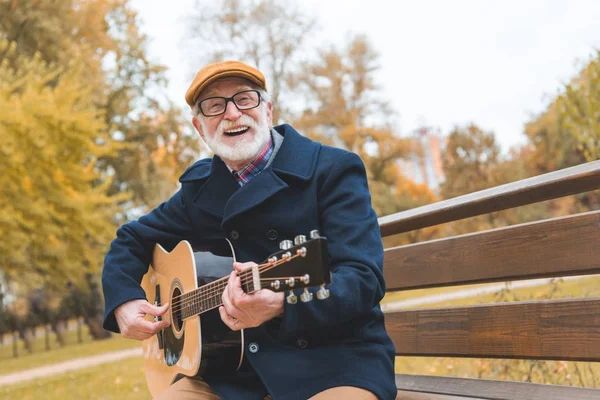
pixel 209 296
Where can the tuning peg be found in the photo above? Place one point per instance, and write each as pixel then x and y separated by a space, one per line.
pixel 299 239
pixel 322 293
pixel 292 298
pixel 306 296
pixel 314 234
pixel 276 284
pixel 285 244
pixel 301 251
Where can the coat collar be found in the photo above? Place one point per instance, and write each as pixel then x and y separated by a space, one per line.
pixel 221 195
pixel 297 156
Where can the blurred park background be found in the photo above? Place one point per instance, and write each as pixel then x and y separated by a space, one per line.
pixel 92 136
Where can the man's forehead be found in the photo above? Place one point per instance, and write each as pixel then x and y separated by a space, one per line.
pixel 223 86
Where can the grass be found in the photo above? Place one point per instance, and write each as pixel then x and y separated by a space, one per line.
pixel 123 380
pixel 40 356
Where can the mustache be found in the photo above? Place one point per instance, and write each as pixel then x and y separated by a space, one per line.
pixel 244 119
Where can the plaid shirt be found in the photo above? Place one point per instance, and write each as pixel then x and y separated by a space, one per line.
pixel 244 175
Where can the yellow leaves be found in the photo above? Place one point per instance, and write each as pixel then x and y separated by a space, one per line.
pixel 26 184
pixel 51 199
pixel 579 110
pixel 417 192
pixel 58 177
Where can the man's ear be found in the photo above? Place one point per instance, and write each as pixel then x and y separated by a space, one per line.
pixel 198 126
pixel 270 113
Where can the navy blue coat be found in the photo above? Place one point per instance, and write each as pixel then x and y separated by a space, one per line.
pixel 317 345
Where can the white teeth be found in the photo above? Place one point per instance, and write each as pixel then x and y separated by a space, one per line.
pixel 243 128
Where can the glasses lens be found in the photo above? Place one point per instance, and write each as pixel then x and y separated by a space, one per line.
pixel 217 105
pixel 213 106
pixel 246 100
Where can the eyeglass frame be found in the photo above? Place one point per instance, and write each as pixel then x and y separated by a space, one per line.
pixel 230 99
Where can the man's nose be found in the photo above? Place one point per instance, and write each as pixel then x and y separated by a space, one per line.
pixel 231 112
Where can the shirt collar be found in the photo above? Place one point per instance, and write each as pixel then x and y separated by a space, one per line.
pixel 245 174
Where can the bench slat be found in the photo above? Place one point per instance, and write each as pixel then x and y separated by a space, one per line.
pixel 578 179
pixel 550 330
pixel 488 389
pixel 554 247
pixel 406 395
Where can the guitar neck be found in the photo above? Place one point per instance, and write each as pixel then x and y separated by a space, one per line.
pixel 209 296
pixel 294 267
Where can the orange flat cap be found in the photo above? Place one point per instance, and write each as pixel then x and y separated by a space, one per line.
pixel 212 72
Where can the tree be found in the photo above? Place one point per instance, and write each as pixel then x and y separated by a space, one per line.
pixel 345 108
pixel 160 144
pixel 568 134
pixel 471 157
pixel 474 163
pixel 103 36
pixel 55 213
pixel 268 34
pixel 553 147
pixel 579 110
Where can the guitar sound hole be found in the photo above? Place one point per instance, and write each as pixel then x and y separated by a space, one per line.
pixel 177 319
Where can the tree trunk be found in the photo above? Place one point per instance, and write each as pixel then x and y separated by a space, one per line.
pixel 79 333
pixel 15 340
pixel 60 330
pixel 96 329
pixel 47 336
pixel 28 335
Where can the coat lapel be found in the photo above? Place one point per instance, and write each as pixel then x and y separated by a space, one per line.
pixel 260 188
pixel 219 185
pixel 295 159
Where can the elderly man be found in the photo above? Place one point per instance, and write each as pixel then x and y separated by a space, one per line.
pixel 263 185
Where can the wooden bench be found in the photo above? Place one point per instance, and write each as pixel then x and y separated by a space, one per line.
pixel 536 330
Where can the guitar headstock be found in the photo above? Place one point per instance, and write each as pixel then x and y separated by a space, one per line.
pixel 301 264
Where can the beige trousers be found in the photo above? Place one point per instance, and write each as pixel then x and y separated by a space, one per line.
pixel 196 389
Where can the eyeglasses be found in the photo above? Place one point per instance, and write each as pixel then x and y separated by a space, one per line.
pixel 245 100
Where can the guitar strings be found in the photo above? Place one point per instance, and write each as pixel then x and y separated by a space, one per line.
pixel 198 295
pixel 193 300
pixel 209 289
pixel 217 286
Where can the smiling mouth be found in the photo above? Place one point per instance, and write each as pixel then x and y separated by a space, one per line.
pixel 237 131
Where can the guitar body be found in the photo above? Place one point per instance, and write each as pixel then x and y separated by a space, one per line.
pixel 196 346
pixel 197 342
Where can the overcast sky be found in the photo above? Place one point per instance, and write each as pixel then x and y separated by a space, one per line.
pixel 443 62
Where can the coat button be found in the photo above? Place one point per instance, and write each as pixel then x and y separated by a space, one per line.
pixel 235 235
pixel 301 343
pixel 253 347
pixel 272 234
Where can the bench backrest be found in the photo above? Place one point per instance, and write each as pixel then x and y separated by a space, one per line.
pixel 540 330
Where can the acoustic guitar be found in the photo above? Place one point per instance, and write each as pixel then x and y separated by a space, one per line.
pixel 197 342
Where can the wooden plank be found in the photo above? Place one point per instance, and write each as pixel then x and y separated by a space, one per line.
pixel 490 389
pixel 555 247
pixel 406 395
pixel 578 179
pixel 545 330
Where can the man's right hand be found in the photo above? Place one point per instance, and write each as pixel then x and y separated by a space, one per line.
pixel 130 317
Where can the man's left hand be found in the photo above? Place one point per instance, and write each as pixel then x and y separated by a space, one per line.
pixel 241 310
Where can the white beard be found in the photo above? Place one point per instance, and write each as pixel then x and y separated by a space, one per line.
pixel 243 149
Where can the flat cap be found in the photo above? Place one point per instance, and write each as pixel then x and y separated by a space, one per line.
pixel 223 69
